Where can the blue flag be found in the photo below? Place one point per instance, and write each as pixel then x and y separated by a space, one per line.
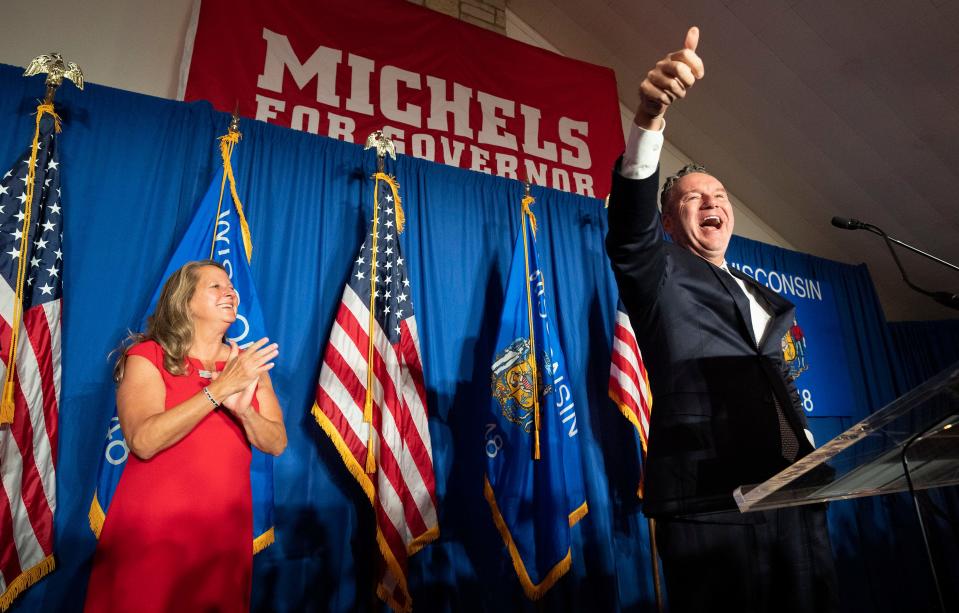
pixel 217 232
pixel 534 479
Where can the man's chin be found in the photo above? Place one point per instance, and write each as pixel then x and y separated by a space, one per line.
pixel 705 247
pixel 711 250
pixel 717 244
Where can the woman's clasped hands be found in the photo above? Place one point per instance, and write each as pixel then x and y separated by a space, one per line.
pixel 235 385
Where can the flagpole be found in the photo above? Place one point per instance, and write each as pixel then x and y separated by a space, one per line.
pixel 384 146
pixel 654 558
pixel 527 212
pixel 368 404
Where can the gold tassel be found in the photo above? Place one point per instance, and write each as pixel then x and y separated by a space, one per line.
pixel 227 142
pixel 7 405
pixel 527 202
pixel 370 458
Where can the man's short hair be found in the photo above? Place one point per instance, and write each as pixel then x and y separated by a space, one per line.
pixel 688 169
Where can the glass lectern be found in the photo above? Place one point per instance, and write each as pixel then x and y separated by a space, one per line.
pixel 911 444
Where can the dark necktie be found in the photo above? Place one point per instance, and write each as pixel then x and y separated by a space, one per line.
pixel 789 444
pixel 787 436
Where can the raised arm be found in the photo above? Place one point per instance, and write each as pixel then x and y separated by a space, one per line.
pixel 635 239
pixel 668 81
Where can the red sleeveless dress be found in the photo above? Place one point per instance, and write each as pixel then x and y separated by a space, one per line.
pixel 178 536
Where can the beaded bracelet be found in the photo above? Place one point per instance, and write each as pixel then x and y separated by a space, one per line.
pixel 209 396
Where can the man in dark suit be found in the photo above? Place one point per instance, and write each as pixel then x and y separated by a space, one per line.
pixel 726 413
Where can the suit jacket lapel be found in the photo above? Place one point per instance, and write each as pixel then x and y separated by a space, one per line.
pixel 780 308
pixel 742 302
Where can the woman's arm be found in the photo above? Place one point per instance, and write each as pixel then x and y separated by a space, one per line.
pixel 265 430
pixel 147 427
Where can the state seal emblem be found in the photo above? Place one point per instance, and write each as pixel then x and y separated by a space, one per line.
pixel 512 383
pixel 794 350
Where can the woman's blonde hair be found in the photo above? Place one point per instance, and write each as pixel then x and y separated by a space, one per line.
pixel 171 324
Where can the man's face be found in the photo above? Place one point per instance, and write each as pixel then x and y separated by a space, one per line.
pixel 699 216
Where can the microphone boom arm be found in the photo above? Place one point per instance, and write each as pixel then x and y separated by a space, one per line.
pixel 921 252
pixel 945 298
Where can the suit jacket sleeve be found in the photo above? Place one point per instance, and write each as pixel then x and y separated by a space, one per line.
pixel 635 241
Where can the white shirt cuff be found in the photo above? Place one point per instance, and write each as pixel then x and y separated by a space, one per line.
pixel 643 148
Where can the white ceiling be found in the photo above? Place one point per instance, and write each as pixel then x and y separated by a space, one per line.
pixel 809 109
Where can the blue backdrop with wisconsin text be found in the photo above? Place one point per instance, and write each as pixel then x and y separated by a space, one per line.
pixel 813 348
pixel 134 168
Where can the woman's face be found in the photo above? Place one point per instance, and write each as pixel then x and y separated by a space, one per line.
pixel 214 299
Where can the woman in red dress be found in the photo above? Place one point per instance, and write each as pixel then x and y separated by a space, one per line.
pixel 179 533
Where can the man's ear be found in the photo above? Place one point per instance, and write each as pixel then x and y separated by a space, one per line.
pixel 667 223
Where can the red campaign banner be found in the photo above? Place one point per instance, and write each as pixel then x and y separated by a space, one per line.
pixel 442 89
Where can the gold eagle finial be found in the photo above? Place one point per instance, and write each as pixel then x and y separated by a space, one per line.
pixel 383 145
pixel 57 69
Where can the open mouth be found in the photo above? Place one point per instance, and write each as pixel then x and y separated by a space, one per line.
pixel 712 221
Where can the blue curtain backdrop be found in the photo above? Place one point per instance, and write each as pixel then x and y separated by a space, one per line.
pixel 925 348
pixel 134 167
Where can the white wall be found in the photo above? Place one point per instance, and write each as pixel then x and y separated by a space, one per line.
pixel 130 44
pixel 137 45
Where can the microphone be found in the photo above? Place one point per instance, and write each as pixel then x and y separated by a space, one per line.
pixel 847 223
pixel 944 298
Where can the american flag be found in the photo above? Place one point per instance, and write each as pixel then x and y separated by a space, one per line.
pixel 628 381
pixel 391 457
pixel 28 445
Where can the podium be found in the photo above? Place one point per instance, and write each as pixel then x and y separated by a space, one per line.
pixel 909 445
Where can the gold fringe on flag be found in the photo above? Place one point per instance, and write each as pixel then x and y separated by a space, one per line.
pixel 7 402
pixel 395 188
pixel 96 516
pixel 533 591
pixel 264 540
pixel 25 580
